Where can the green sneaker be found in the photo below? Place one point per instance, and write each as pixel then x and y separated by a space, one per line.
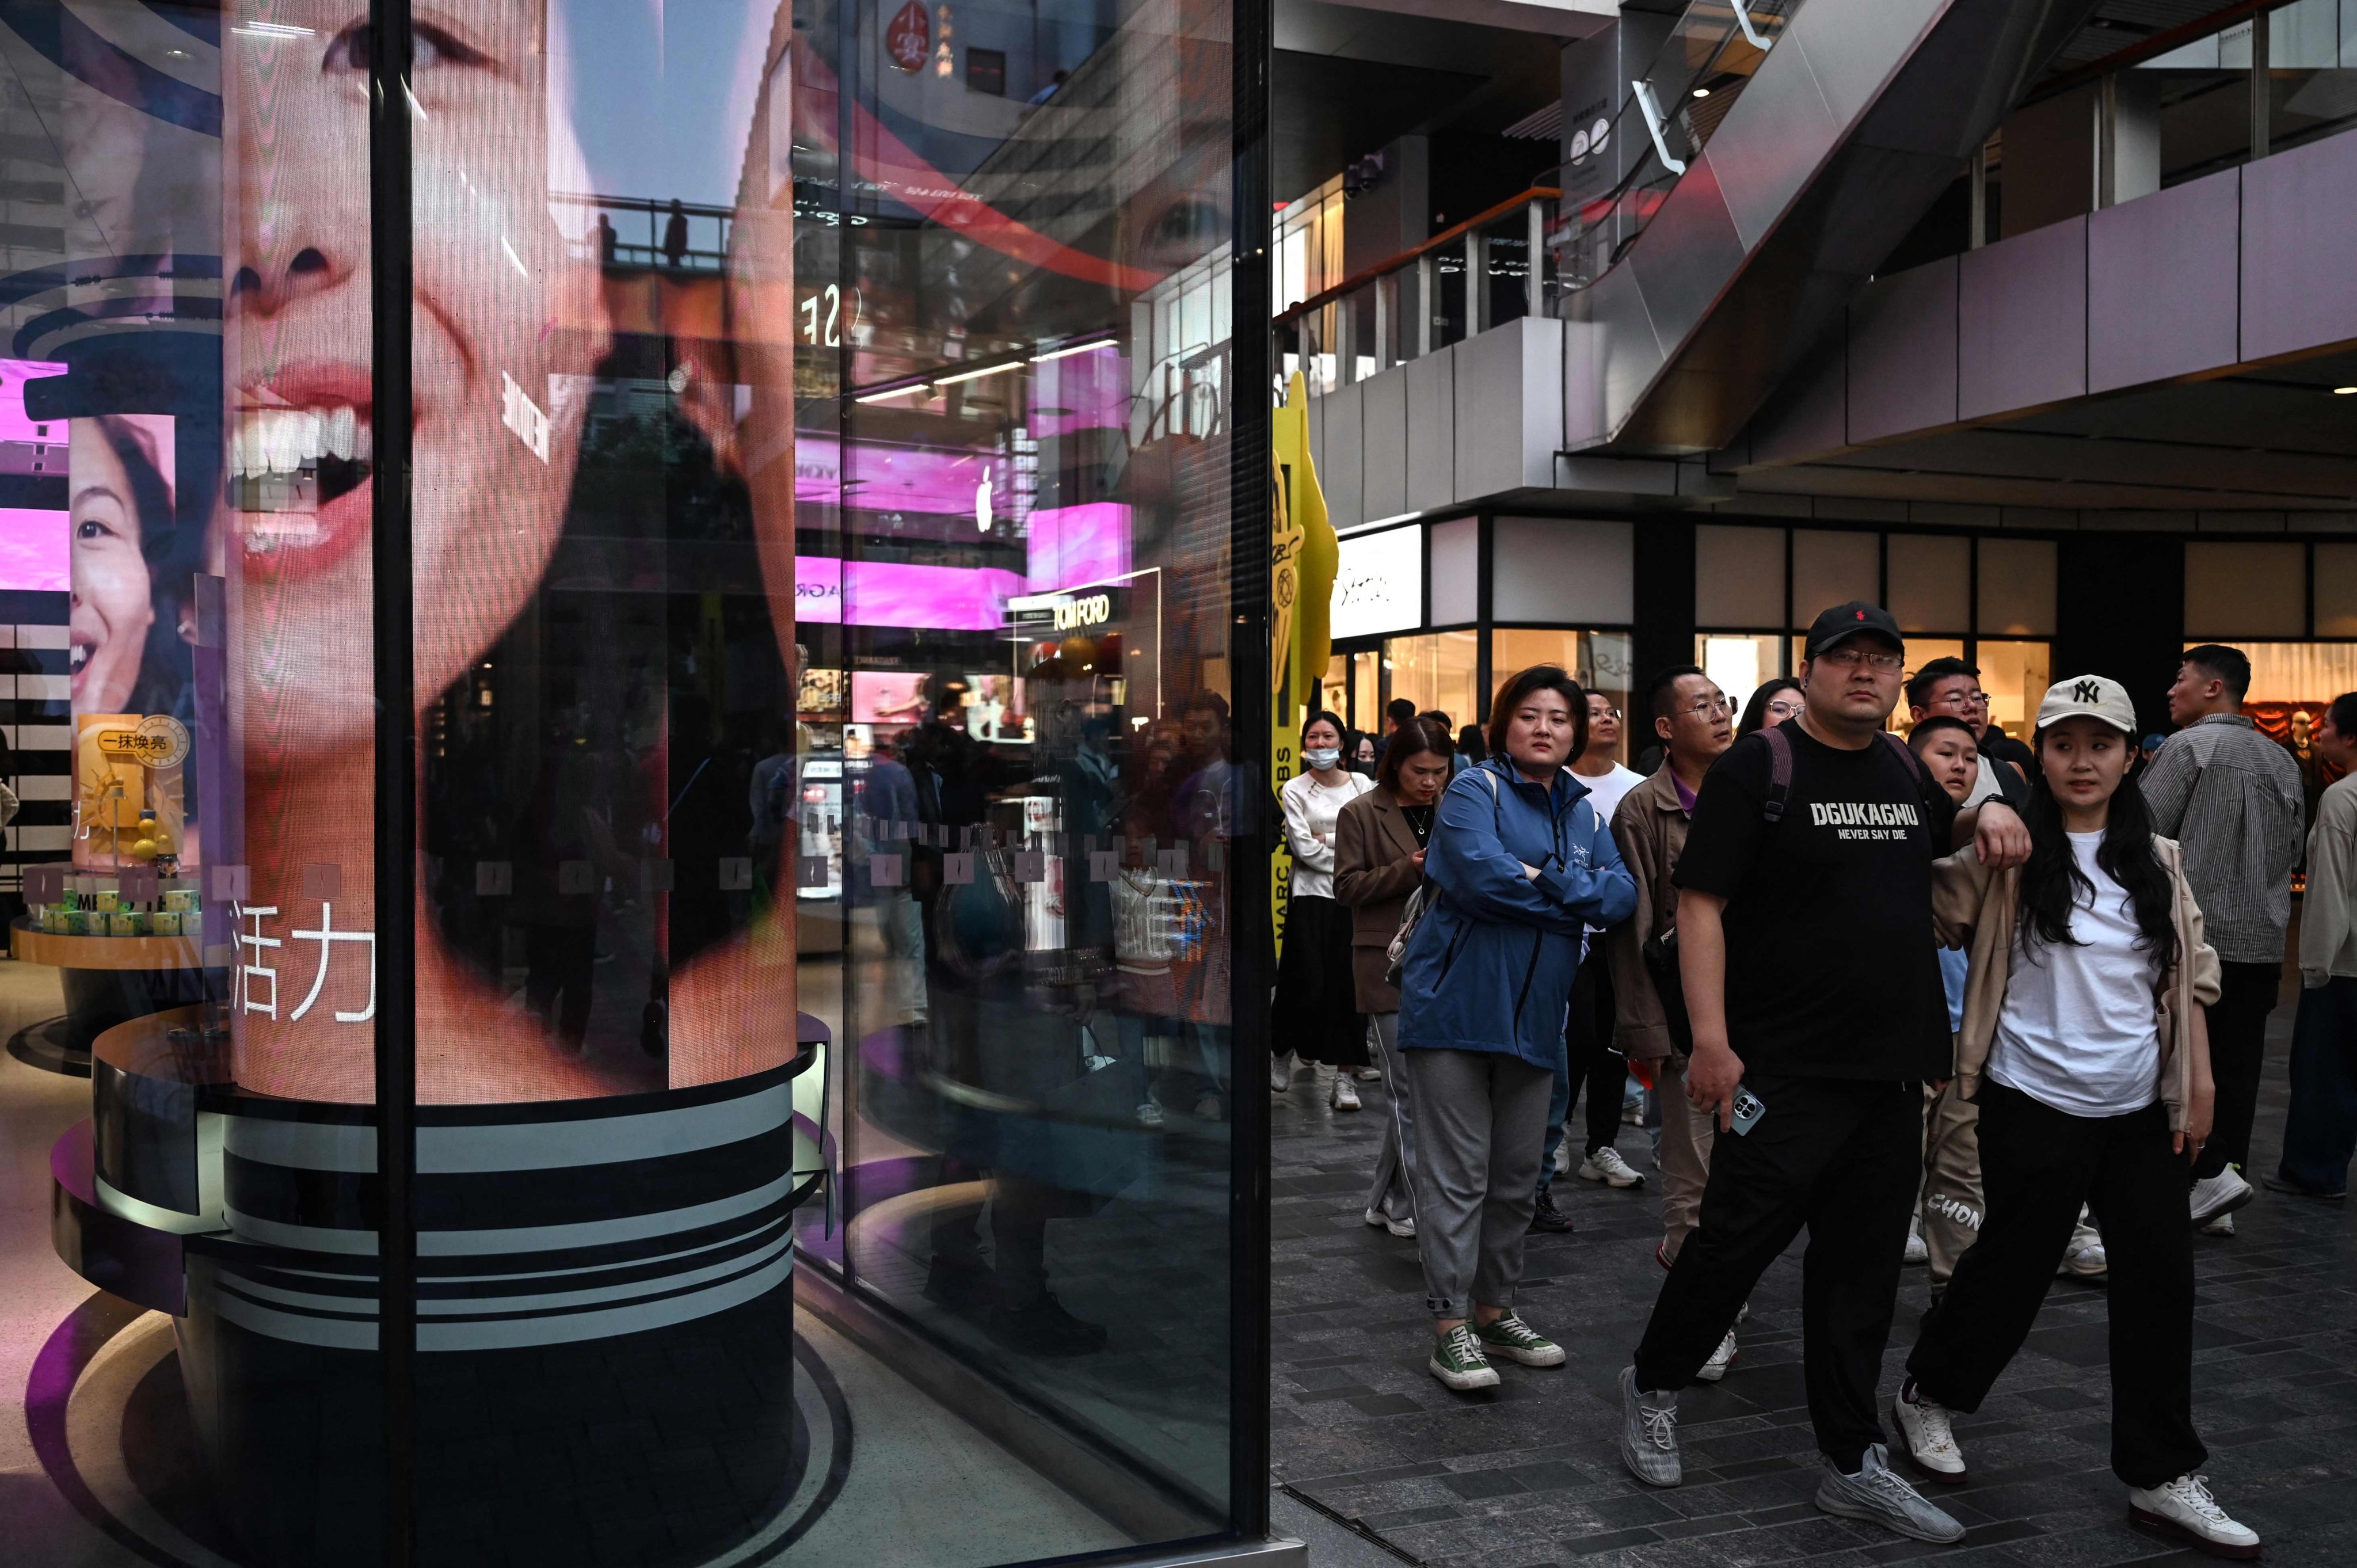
pixel 1457 1361
pixel 1515 1340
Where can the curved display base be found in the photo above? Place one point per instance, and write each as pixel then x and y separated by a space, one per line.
pixel 604 1306
pixel 113 1424
pixel 50 1043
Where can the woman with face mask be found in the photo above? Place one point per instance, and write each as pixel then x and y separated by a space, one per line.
pixel 1317 1014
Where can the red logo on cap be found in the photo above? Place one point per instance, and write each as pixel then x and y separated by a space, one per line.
pixel 1861 615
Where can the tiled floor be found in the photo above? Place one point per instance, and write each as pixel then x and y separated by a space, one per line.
pixel 1531 1474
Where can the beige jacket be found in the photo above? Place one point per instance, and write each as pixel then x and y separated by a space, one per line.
pixel 1975 908
pixel 1650 826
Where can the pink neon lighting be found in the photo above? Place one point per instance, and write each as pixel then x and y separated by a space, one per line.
pixel 35 547
pixel 1074 546
pixel 14 426
pixel 828 591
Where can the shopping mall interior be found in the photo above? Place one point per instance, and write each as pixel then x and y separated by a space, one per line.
pixel 721 1018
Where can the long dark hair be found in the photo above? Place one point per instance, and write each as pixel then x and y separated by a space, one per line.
pixel 2052 881
pixel 1755 711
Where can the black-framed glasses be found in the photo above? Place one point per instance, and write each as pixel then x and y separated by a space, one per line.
pixel 1878 660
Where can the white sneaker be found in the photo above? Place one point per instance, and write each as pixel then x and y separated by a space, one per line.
pixel 1149 1114
pixel 2219 1194
pixel 1378 1219
pixel 1923 1427
pixel 1368 1074
pixel 1606 1166
pixel 1280 1073
pixel 1346 1093
pixel 2085 1259
pixel 1919 1252
pixel 2222 1226
pixel 1720 1360
pixel 2185 1510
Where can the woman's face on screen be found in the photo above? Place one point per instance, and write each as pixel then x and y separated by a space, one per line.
pixel 509 322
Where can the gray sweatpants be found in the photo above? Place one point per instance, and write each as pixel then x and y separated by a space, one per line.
pixel 1392 1193
pixel 1480 1120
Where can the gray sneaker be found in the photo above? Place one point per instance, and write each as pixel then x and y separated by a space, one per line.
pixel 1649 1434
pixel 1880 1497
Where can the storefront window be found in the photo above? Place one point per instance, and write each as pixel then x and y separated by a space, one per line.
pixel 1599 660
pixel 1435 669
pixel 804 967
pixel 1740 661
pixel 2015 675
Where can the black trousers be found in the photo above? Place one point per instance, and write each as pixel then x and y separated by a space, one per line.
pixel 2238 1045
pixel 1588 1035
pixel 1843 1158
pixel 2038 1165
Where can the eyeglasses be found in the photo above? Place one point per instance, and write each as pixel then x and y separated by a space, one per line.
pixel 1785 707
pixel 1851 658
pixel 1710 707
pixel 1606 713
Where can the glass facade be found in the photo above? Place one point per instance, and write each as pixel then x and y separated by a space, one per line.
pixel 657 726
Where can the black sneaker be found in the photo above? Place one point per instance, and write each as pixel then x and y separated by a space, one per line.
pixel 1045 1328
pixel 2276 1182
pixel 1548 1218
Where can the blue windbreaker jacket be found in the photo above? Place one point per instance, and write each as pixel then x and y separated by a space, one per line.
pixel 1490 965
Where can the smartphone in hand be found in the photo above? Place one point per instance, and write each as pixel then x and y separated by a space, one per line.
pixel 1748 1108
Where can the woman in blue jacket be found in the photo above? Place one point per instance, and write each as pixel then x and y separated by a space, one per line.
pixel 1520 866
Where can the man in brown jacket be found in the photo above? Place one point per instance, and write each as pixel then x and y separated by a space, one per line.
pixel 1695 723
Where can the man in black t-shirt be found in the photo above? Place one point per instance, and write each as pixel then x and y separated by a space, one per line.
pixel 1805 949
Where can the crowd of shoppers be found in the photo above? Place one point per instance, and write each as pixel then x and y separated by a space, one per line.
pixel 1993 1007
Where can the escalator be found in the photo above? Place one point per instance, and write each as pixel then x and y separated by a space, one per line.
pixel 1773 157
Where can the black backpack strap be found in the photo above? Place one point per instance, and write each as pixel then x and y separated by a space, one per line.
pixel 1914 763
pixel 1780 772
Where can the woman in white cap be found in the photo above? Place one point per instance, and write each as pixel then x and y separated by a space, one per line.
pixel 2086 1050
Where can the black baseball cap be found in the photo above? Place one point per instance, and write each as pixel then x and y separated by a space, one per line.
pixel 1842 622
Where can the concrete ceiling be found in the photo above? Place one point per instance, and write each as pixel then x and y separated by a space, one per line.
pixel 2277 440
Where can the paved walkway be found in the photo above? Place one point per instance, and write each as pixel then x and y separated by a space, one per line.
pixel 1530 1474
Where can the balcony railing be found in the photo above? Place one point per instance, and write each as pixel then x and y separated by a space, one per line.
pixel 1468 278
pixel 1669 115
pixel 627 217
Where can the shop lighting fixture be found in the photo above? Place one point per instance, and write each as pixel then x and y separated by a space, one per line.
pixel 974 375
pixel 273 30
pixel 1071 348
pixel 890 393
pixel 2343 392
pixel 1702 92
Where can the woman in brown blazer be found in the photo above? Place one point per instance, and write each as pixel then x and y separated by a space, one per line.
pixel 1379 842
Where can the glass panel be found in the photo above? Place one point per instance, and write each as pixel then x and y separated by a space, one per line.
pixel 1027 962
pixel 1739 576
pixel 2015 675
pixel 1921 651
pixel 1366 707
pixel 1335 688
pixel 2195 103
pixel 1831 567
pixel 2312 89
pixel 2242 589
pixel 187 434
pixel 1599 660
pixel 1436 672
pixel 1740 661
pixel 2016 587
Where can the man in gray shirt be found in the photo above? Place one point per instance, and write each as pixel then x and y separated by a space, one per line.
pixel 2232 798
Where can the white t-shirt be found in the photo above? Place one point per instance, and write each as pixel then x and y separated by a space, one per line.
pixel 1605 791
pixel 2078 1030
pixel 1310 809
